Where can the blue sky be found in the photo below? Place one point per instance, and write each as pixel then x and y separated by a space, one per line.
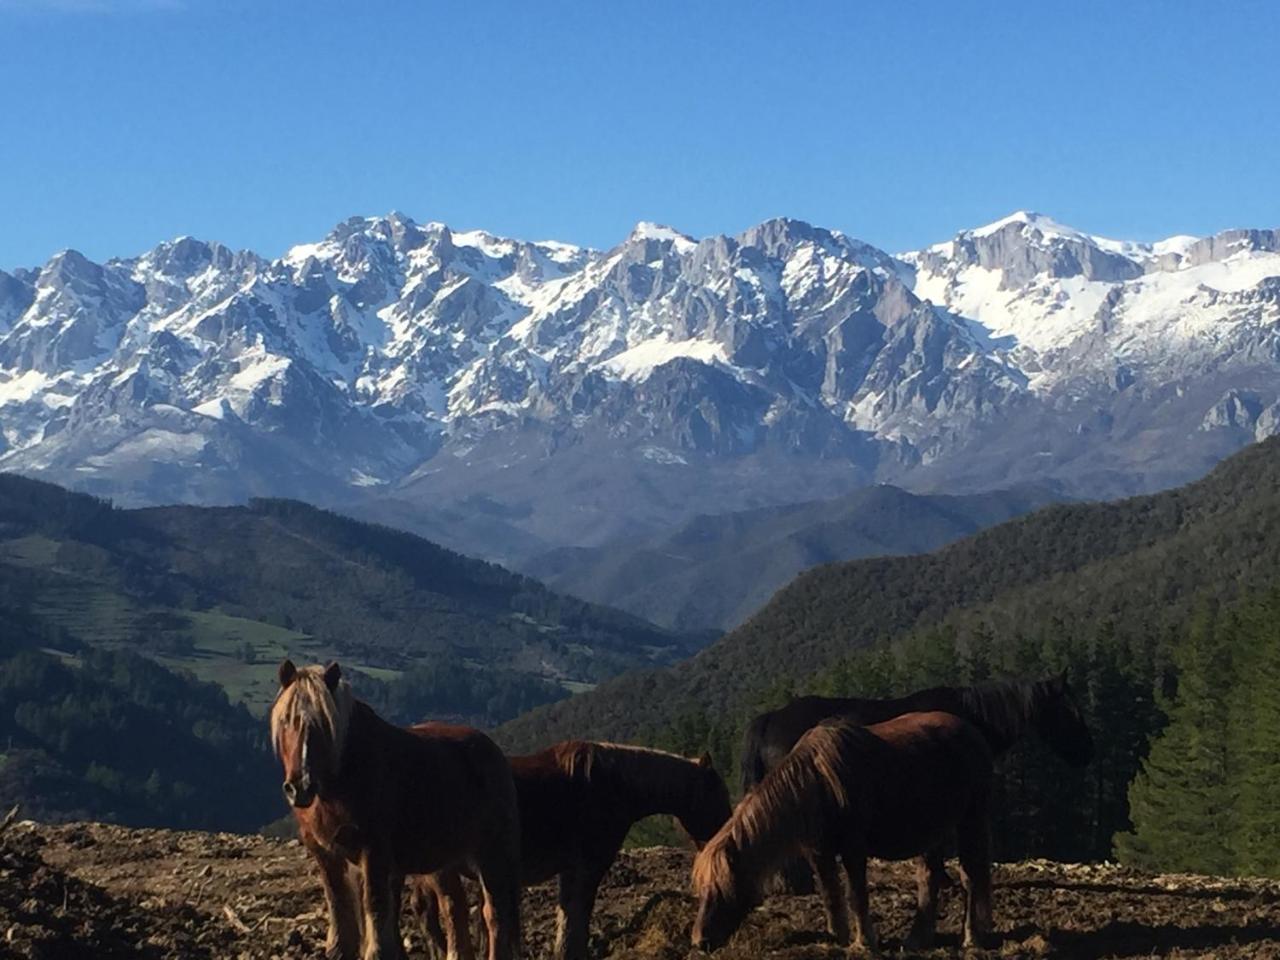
pixel 263 123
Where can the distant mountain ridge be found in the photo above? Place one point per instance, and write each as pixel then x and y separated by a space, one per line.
pixel 516 397
pixel 717 570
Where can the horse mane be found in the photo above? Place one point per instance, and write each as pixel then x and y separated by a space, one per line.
pixel 784 811
pixel 307 700
pixel 619 763
pixel 1004 707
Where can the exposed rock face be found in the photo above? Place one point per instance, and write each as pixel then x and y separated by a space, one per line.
pixel 414 362
pixel 1237 408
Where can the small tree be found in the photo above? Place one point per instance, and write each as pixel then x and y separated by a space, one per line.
pixel 1181 800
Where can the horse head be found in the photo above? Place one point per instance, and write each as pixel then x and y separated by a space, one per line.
pixel 708 808
pixel 724 899
pixel 308 725
pixel 1060 722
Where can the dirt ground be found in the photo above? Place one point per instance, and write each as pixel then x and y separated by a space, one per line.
pixel 90 890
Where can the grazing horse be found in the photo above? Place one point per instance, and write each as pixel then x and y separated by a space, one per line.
pixel 892 790
pixel 577 801
pixel 1003 712
pixel 375 802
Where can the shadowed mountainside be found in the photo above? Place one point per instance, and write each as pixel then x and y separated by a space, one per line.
pixel 1138 565
pixel 718 569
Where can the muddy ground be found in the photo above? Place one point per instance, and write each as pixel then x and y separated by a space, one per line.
pixel 90 890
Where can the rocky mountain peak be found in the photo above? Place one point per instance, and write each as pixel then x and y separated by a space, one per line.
pixel 397 355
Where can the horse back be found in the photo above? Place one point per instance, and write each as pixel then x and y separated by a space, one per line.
pixel 777 731
pixel 931 731
pixel 914 778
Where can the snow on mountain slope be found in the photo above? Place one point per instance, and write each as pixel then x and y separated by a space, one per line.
pixel 440 365
pixel 1035 287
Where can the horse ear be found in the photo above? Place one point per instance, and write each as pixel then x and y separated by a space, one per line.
pixel 332 674
pixel 704 760
pixel 286 673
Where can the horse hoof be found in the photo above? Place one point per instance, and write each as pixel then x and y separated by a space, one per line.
pixel 974 942
pixel 864 946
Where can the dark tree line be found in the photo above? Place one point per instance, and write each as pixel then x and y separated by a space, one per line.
pixel 1206 796
pixel 114 736
pixel 1186 775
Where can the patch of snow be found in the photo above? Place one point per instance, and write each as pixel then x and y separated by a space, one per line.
pixel 663 455
pixel 296 256
pixel 261 367
pixel 486 243
pixel 1178 245
pixel 216 409
pixel 645 230
pixel 23 386
pixel 637 362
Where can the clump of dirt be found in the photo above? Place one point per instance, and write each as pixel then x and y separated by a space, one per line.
pixel 93 890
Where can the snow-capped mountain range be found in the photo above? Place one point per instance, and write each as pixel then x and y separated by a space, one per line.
pixel 566 394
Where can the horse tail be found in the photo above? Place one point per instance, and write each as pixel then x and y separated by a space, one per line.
pixel 753 765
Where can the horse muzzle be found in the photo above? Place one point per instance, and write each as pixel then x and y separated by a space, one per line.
pixel 300 794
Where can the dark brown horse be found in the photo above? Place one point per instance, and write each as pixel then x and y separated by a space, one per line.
pixel 893 790
pixel 1003 711
pixel 375 802
pixel 577 801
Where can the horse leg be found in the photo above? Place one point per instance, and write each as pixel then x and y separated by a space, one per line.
pixel 974 842
pixel 381 906
pixel 929 873
pixel 864 934
pixel 425 904
pixel 833 895
pixel 501 890
pixel 441 902
pixel 579 886
pixel 342 942
pixel 456 914
pixel 573 916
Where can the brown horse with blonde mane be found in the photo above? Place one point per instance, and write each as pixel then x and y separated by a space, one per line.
pixel 893 790
pixel 577 801
pixel 375 802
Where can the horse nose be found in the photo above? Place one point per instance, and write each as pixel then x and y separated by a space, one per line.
pixel 290 791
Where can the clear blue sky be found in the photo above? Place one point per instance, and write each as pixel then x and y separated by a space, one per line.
pixel 261 123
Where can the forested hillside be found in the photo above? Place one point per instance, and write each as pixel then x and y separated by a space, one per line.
pixel 718 569
pixel 111 735
pixel 1106 590
pixel 228 591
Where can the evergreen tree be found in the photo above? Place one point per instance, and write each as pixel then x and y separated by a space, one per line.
pixel 1255 739
pixel 1181 801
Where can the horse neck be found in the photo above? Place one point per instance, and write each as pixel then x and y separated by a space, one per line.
pixel 777 832
pixel 1001 711
pixel 656 782
pixel 363 726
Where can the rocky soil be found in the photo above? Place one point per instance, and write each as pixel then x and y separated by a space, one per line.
pixel 92 890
